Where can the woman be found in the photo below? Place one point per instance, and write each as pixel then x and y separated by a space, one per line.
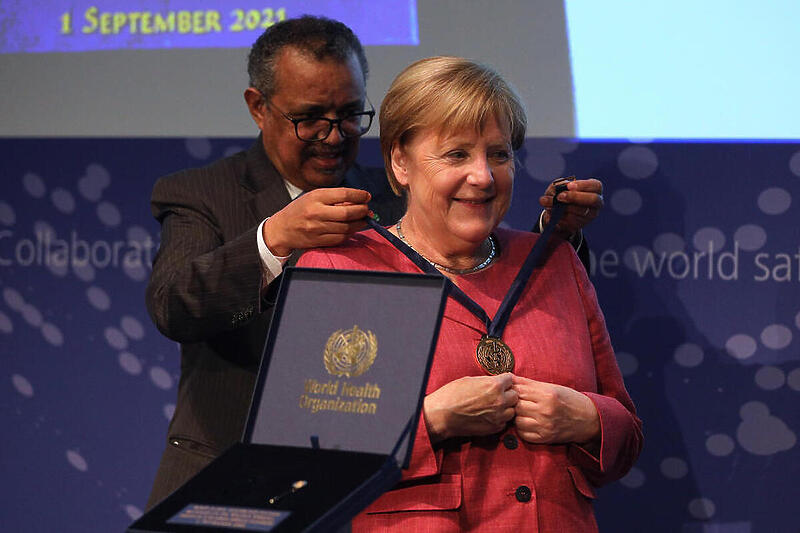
pixel 515 442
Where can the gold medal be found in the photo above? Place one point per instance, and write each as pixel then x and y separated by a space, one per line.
pixel 494 355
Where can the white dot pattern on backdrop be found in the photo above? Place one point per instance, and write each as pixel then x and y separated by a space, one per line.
pixel 130 363
pixel 6 326
pixel 750 237
pixel 132 327
pixel 58 270
pixel 706 238
pixel 89 190
pixel 740 346
pixel 133 512
pixel 77 461
pixel 52 334
pixel 776 336
pixel 169 410
pixel 674 468
pixel 115 338
pixel 135 272
pixel 793 379
pixel 720 445
pixel 770 378
pixel 13 299
pixel 637 162
pixel 138 234
pixel 774 201
pixel 626 202
pixel 794 164
pixel 98 298
pixel 7 215
pixel 84 271
pixel 702 508
pixel 160 378
pixel 545 166
pixel 63 200
pixel 99 175
pixel 753 410
pixel 199 148
pixel 34 185
pixel 564 146
pixel 668 243
pixel 108 214
pixel 628 364
pixel 91 185
pixel 634 257
pixel 231 150
pixel 43 228
pixel 761 433
pixel 32 315
pixel 22 385
pixel 688 355
pixel 634 479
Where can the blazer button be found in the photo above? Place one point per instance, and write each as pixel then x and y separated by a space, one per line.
pixel 510 441
pixel 523 494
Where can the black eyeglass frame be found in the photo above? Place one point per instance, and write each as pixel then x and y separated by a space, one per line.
pixel 331 122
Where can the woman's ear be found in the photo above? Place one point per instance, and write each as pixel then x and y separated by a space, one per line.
pixel 399 164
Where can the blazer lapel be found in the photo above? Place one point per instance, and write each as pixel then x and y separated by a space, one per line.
pixel 269 192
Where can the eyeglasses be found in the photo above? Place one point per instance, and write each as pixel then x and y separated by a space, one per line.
pixel 317 129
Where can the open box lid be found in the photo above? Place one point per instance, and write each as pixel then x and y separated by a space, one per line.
pixel 336 404
pixel 346 361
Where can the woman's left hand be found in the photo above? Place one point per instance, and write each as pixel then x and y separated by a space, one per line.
pixel 547 413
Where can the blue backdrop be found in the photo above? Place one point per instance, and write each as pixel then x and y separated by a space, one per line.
pixel 696 260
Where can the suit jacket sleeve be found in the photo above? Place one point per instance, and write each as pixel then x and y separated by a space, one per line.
pixel 620 428
pixel 203 282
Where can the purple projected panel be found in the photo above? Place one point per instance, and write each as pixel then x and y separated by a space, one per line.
pixel 68 26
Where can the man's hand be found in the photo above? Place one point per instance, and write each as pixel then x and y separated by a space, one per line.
pixel 472 405
pixel 549 414
pixel 586 200
pixel 322 217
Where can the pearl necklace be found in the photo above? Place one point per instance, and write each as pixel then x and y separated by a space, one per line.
pixel 460 271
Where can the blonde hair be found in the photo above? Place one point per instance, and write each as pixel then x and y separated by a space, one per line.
pixel 448 94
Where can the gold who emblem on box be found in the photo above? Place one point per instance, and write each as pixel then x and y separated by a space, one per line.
pixel 350 352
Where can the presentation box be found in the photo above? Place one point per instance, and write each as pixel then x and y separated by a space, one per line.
pixel 334 410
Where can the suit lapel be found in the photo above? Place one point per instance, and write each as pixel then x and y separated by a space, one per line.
pixel 262 179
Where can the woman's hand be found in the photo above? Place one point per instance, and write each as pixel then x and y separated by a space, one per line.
pixel 547 413
pixel 479 405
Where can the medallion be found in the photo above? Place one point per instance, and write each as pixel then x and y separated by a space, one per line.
pixel 494 355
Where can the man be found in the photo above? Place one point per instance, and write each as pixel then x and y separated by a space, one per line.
pixel 228 229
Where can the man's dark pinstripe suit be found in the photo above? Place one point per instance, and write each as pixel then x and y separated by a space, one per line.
pixel 204 292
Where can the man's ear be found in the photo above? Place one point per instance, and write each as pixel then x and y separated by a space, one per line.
pixel 256 105
pixel 399 164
